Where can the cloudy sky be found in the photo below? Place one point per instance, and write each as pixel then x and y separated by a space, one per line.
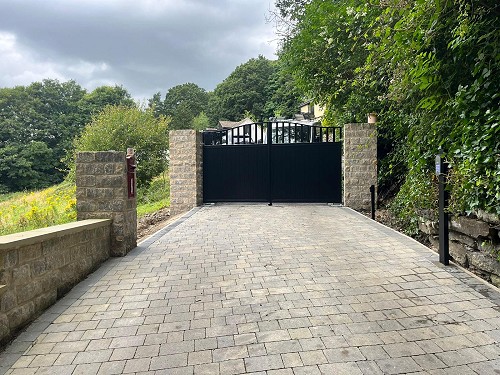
pixel 144 45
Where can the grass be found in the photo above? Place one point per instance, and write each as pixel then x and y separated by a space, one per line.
pixel 20 212
pixel 55 205
pixel 155 197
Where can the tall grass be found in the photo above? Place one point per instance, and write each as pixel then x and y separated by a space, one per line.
pixel 25 211
pixel 154 197
pixel 55 205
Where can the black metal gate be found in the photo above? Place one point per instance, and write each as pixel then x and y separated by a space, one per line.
pixel 272 161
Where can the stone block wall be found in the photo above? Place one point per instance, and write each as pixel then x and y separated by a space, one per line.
pixel 360 164
pixel 102 193
pixel 186 170
pixel 474 243
pixel 39 266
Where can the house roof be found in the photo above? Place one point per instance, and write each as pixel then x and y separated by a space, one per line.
pixel 234 124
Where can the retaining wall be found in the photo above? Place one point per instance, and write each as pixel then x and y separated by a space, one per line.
pixel 39 266
pixel 474 243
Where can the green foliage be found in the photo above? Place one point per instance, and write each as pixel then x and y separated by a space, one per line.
pixel 38 209
pixel 182 104
pixel 245 89
pixel 201 122
pixel 119 127
pixel 429 69
pixel 259 88
pixel 25 166
pixel 38 124
pixel 56 205
pixel 155 196
pixel 92 103
pixel 284 97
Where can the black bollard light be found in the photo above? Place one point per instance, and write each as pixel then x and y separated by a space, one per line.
pixel 372 196
pixel 444 238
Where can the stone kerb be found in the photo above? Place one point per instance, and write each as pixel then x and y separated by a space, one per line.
pixel 186 170
pixel 102 193
pixel 360 164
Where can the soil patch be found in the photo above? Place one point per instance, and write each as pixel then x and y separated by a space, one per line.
pixel 151 223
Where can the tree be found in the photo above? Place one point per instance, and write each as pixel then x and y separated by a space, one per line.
pixel 156 104
pixel 284 97
pixel 43 116
pixel 201 122
pixel 245 89
pixel 25 166
pixel 46 115
pixel 94 102
pixel 428 68
pixel 182 104
pixel 120 127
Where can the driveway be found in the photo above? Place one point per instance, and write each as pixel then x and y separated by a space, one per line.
pixel 281 290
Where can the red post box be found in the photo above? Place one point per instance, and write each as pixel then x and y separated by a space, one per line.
pixel 131 166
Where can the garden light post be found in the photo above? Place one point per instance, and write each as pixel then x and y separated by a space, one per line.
pixel 442 174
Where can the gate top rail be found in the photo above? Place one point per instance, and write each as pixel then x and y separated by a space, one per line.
pixel 275 131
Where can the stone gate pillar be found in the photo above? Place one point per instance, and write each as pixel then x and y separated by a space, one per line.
pixel 102 193
pixel 186 170
pixel 360 164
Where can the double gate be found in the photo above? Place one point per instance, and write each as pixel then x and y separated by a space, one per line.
pixel 273 162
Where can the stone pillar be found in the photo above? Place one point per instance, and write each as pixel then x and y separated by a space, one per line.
pixel 360 164
pixel 102 193
pixel 186 170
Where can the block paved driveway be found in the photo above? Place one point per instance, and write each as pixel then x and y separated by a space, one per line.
pixel 281 290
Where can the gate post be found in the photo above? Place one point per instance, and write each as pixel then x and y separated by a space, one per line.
pixel 360 164
pixel 102 192
pixel 186 170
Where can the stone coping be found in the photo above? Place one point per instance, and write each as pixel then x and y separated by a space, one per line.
pixel 31 237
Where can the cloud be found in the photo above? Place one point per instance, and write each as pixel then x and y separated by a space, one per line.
pixel 147 45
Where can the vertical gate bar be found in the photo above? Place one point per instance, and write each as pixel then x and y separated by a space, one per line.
pixel 326 129
pixel 282 132
pixel 301 133
pixel 320 134
pixel 269 159
pixel 289 133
